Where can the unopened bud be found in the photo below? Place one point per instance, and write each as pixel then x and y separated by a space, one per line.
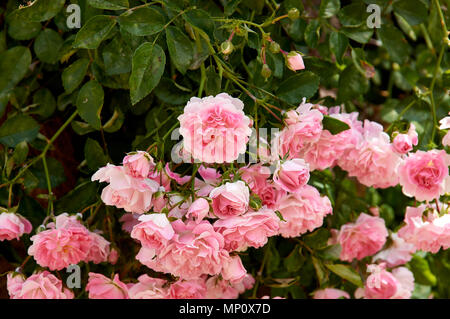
pixel 274 47
pixel 266 72
pixel 241 32
pixel 226 47
pixel 255 202
pixel 293 14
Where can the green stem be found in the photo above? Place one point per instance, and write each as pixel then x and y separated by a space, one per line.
pixel 202 79
pixel 49 187
pixel 401 114
pixel 433 82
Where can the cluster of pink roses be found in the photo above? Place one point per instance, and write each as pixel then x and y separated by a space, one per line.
pixel 195 228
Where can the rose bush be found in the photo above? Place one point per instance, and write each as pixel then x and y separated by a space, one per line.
pixel 224 149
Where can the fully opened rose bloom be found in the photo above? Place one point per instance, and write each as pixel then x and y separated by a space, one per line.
pixel 230 199
pixel 372 162
pixel 13 226
pixel 138 164
pixel 398 253
pixel 57 248
pixel 194 250
pixel 302 211
pixel 331 293
pixel 100 249
pixel 255 175
pixel 148 288
pixel 233 270
pixel 424 175
pixel 292 175
pixel 426 233
pixel 192 289
pixel 42 285
pixel 198 210
pixel 154 231
pixel 363 238
pixel 270 194
pixel 249 230
pixel 132 194
pixel 215 129
pixel 101 287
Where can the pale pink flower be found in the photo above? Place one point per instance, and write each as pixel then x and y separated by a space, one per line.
pixel 129 220
pixel 381 284
pixel 270 194
pixel 302 211
pixel 249 230
pixel 363 238
pixel 294 61
pixel 134 195
pixel 198 210
pixel 101 287
pixel 427 233
pixel 399 253
pixel 331 293
pixel 230 199
pixel 446 139
pixel 245 284
pixel 445 125
pixel 372 162
pixel 255 175
pixel 148 288
pixel 424 175
pixel 233 270
pixel 194 250
pixel 138 164
pixel 13 226
pixel 193 289
pixel 154 231
pixel 215 129
pixel 113 256
pixel 181 180
pixel 217 288
pixel 42 285
pixel 291 175
pixel 100 249
pixel 403 143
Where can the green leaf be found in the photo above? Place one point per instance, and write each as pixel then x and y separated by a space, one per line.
pixel 312 33
pixel 17 129
pixel 180 48
pixel 334 125
pixel 117 57
pixel 338 45
pixel 20 153
pixel 296 87
pixel 142 22
pixel 147 68
pixel 168 92
pixel 360 34
pixel 320 271
pixel 351 84
pixel 90 103
pixel 422 272
pixel 346 272
pixel 394 42
pixel 213 81
pixel 80 197
pixel 56 172
pixel 94 32
pixel 413 11
pixel 47 46
pixel 201 20
pixel 115 122
pixel 93 152
pixel 46 103
pixel 41 10
pixel 295 260
pixel 14 65
pixel 318 239
pixel 22 29
pixel 109 4
pixel 329 8
pixel 73 75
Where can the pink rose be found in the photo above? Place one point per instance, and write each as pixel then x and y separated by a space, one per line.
pixel 255 175
pixel 302 211
pixel 294 61
pixel 233 270
pixel 129 220
pixel 194 250
pixel 217 288
pixel 445 124
pixel 42 285
pixel 230 199
pixel 148 288
pixel 270 194
pixel 198 210
pixel 403 143
pixel 245 284
pixel 138 164
pixel 215 129
pixel 291 175
pixel 134 195
pixel 58 248
pixel 194 289
pixel 113 256
pixel 363 238
pixel 427 233
pixel 331 293
pixel 101 287
pixel 424 175
pixel 399 253
pixel 372 162
pixel 382 284
pixel 154 231
pixel 100 249
pixel 13 226
pixel 249 230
